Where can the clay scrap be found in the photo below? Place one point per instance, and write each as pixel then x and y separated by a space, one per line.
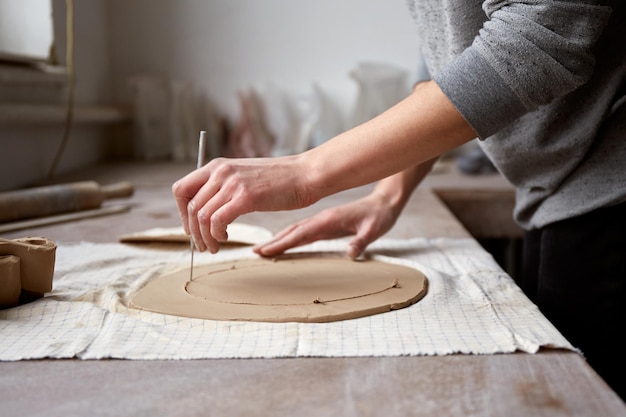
pixel 26 269
pixel 238 234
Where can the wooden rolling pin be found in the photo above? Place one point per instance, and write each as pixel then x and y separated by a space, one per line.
pixel 55 199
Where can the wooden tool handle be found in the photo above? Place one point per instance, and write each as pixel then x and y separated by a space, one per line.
pixel 117 190
pixel 56 199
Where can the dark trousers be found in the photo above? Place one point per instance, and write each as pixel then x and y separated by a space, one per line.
pixel 575 271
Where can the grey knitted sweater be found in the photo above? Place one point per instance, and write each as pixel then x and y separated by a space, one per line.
pixel 543 83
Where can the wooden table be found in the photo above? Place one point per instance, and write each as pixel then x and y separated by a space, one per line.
pixel 550 383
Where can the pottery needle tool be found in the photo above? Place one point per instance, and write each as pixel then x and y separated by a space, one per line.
pixel 201 148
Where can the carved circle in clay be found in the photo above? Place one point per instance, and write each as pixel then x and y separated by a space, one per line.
pixel 306 287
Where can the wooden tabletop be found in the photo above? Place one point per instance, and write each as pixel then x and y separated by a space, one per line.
pixel 550 383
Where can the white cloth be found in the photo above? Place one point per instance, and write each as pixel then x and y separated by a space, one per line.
pixel 471 307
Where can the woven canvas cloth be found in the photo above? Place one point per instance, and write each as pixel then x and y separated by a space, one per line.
pixel 472 307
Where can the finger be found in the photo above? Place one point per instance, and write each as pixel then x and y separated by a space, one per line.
pixel 300 234
pixel 285 232
pixel 360 242
pixel 196 217
pixel 184 190
pixel 225 214
pixel 289 238
pixel 182 200
pixel 355 248
pixel 199 212
pixel 211 229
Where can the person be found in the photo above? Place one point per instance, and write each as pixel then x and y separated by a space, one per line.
pixel 542 85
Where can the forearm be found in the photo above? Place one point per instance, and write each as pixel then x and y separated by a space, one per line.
pixel 416 130
pixel 397 189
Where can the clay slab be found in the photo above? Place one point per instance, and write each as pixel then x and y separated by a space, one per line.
pixel 238 234
pixel 306 287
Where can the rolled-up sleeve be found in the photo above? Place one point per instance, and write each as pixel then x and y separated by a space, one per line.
pixel 526 54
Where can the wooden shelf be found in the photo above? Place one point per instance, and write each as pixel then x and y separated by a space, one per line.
pixel 33 75
pixel 26 114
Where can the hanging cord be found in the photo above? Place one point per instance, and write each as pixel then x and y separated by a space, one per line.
pixel 69 64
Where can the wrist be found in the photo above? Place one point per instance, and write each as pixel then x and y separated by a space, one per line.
pixel 312 177
pixel 394 197
pixel 322 174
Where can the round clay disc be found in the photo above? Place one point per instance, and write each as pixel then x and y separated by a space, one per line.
pixel 305 287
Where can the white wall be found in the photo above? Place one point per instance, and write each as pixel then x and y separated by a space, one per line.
pixel 34 15
pixel 27 150
pixel 91 49
pixel 222 46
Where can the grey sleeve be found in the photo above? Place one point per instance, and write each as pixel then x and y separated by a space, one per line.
pixel 526 54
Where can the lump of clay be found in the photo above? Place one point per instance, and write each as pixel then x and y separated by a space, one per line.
pixel 10 283
pixel 28 261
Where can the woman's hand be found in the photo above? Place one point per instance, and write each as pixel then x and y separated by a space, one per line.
pixel 210 198
pixel 367 218
pixel 414 131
